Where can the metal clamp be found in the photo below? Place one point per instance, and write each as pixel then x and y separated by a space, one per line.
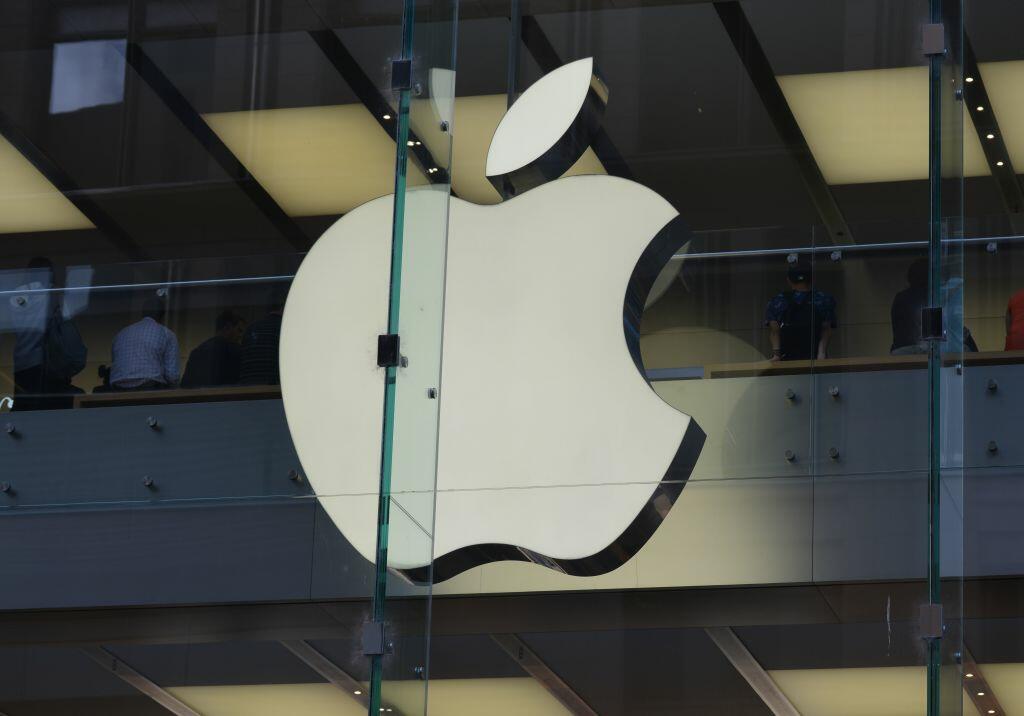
pixel 930 621
pixel 933 39
pixel 931 324
pixel 401 75
pixel 375 641
pixel 388 355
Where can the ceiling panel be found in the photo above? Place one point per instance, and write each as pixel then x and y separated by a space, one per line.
pixel 871 125
pixel 28 201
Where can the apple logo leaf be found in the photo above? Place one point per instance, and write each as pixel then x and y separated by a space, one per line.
pixel 547 129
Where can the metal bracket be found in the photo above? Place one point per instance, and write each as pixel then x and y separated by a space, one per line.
pixel 933 39
pixel 930 621
pixel 375 642
pixel 388 355
pixel 401 75
pixel 931 324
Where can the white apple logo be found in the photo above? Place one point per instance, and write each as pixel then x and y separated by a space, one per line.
pixel 551 445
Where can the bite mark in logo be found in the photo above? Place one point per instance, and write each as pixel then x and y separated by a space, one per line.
pixel 551 446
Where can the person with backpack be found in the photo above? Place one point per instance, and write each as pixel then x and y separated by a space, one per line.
pixel 800 320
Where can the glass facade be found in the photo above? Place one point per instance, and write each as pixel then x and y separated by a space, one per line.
pixel 513 357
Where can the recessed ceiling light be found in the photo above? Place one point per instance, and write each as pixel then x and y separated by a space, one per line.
pixel 980 108
pixel 418 143
pixel 411 143
pixel 969 676
pixel 981 693
pixel 990 136
pixel 991 711
pixel 387 116
pixel 999 164
pixel 968 79
pixel 357 692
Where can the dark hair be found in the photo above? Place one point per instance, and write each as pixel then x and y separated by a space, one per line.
pixel 917 273
pixel 154 308
pixel 799 273
pixel 227 319
pixel 38 262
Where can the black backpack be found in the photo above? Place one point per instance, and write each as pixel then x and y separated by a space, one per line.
pixel 64 351
pixel 799 330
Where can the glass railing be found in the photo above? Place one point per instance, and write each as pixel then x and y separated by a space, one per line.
pixel 824 443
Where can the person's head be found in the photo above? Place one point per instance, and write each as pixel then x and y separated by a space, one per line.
pixel 154 308
pixel 917 273
pixel 231 326
pixel 40 262
pixel 799 276
pixel 40 269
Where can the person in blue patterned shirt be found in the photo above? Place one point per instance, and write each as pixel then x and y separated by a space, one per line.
pixel 145 354
pixel 800 320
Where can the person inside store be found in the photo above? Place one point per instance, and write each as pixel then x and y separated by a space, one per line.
pixel 905 313
pixel 800 320
pixel 218 359
pixel 145 354
pixel 48 350
pixel 1015 322
pixel 260 343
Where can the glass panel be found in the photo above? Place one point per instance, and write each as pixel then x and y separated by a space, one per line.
pixel 992 271
pixel 176 179
pixel 658 475
pixel 799 160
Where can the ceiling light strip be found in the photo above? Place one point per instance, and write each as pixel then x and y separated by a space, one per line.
pixel 752 672
pixel 975 685
pixel 979 106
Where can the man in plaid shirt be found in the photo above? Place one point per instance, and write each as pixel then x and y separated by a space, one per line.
pixel 145 354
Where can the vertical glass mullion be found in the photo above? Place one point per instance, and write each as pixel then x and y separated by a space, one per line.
pixel 945 175
pixel 394 305
pixel 935 89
